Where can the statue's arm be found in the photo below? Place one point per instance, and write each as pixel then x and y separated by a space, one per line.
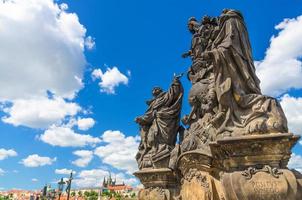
pixel 187 54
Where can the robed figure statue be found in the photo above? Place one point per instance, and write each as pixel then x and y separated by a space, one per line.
pixel 159 126
pixel 242 107
pixel 225 96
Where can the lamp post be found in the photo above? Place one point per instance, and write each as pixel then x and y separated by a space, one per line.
pixel 61 184
pixel 44 191
pixel 68 186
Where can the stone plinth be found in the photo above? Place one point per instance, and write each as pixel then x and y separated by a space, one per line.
pixel 255 167
pixel 159 184
pixel 261 184
pixel 239 153
pixel 200 179
pixel 241 168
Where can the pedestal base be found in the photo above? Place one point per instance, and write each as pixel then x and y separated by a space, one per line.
pixel 250 167
pixel 241 168
pixel 159 184
pixel 262 184
pixel 200 179
pixel 239 153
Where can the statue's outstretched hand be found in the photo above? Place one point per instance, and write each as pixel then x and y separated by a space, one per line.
pixel 138 120
pixel 178 76
pixel 186 54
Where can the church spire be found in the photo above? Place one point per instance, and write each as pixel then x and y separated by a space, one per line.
pixel 104 182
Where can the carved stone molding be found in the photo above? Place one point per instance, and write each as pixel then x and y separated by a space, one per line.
pixel 239 153
pixel 159 184
pixel 163 177
pixel 199 176
pixel 194 159
pixel 156 193
pixel 248 174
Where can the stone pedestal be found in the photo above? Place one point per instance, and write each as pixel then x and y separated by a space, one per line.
pixel 238 168
pixel 239 153
pixel 255 167
pixel 261 184
pixel 200 179
pixel 241 168
pixel 159 184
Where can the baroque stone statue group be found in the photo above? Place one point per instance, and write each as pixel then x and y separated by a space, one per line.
pixel 234 144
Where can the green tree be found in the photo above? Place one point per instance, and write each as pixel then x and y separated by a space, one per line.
pixel 93 195
pixel 106 193
pixel 73 193
pixel 86 194
pixel 118 196
pixel 80 193
pixel 4 197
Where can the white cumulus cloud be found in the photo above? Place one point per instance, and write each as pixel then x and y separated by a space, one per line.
pixel 84 159
pixel 64 171
pixel 118 150
pixel 85 123
pixel 292 107
pixel 5 153
pixel 109 80
pixel 281 69
pixel 2 172
pixel 42 50
pixel 95 177
pixel 35 160
pixel 66 137
pixel 89 43
pixel 295 162
pixel 48 43
pixel 39 113
pixel 90 178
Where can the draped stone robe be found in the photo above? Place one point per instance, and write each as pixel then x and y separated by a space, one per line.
pixel 162 123
pixel 242 107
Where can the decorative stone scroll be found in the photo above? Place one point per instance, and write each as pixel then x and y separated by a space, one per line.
pixel 248 173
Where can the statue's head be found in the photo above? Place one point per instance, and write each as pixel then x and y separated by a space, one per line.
pixel 232 13
pixel 224 11
pixel 156 91
pixel 206 20
pixel 192 24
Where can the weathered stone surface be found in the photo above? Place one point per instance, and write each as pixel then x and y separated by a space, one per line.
pixel 154 194
pixel 237 153
pixel 261 186
pixel 159 126
pixel 160 184
pixel 196 185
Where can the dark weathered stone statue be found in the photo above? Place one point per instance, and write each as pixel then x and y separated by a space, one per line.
pixel 159 126
pixel 242 108
pixel 225 96
pixel 202 96
pixel 236 144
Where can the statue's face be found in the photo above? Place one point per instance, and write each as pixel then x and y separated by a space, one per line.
pixel 224 11
pixel 156 91
pixel 206 20
pixel 191 27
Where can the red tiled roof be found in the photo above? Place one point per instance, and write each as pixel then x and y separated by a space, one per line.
pixel 119 187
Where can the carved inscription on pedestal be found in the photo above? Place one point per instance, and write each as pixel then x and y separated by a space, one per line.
pixel 264 186
pixel 266 189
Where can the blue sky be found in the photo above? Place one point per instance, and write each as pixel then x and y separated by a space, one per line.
pixel 84 69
